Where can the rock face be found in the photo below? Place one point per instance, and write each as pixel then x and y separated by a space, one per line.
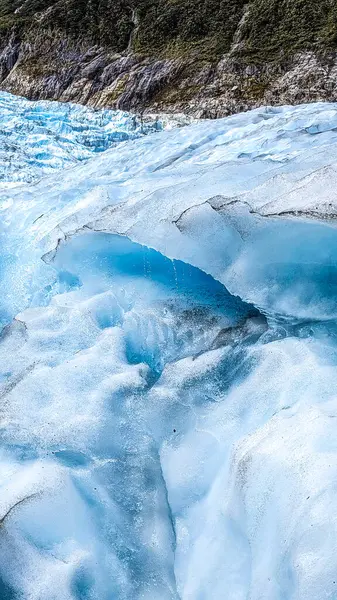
pixel 154 55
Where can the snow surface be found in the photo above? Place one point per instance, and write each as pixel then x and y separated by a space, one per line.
pixel 168 369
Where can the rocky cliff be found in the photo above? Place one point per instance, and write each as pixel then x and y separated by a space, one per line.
pixel 203 57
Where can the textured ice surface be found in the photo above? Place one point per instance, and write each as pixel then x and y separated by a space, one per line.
pixel 37 138
pixel 168 367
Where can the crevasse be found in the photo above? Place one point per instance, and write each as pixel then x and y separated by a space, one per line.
pixel 168 359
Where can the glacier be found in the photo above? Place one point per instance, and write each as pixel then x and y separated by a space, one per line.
pixel 168 355
pixel 37 138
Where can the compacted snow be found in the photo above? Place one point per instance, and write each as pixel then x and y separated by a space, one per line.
pixel 168 357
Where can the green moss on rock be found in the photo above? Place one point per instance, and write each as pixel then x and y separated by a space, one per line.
pixel 112 96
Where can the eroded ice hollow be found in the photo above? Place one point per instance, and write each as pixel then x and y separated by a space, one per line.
pixel 168 367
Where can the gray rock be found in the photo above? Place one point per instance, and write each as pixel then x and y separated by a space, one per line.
pixel 54 69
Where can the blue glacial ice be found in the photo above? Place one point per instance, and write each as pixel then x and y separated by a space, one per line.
pixel 37 138
pixel 168 360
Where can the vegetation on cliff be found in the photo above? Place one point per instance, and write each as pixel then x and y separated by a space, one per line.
pixel 205 57
pixel 267 28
